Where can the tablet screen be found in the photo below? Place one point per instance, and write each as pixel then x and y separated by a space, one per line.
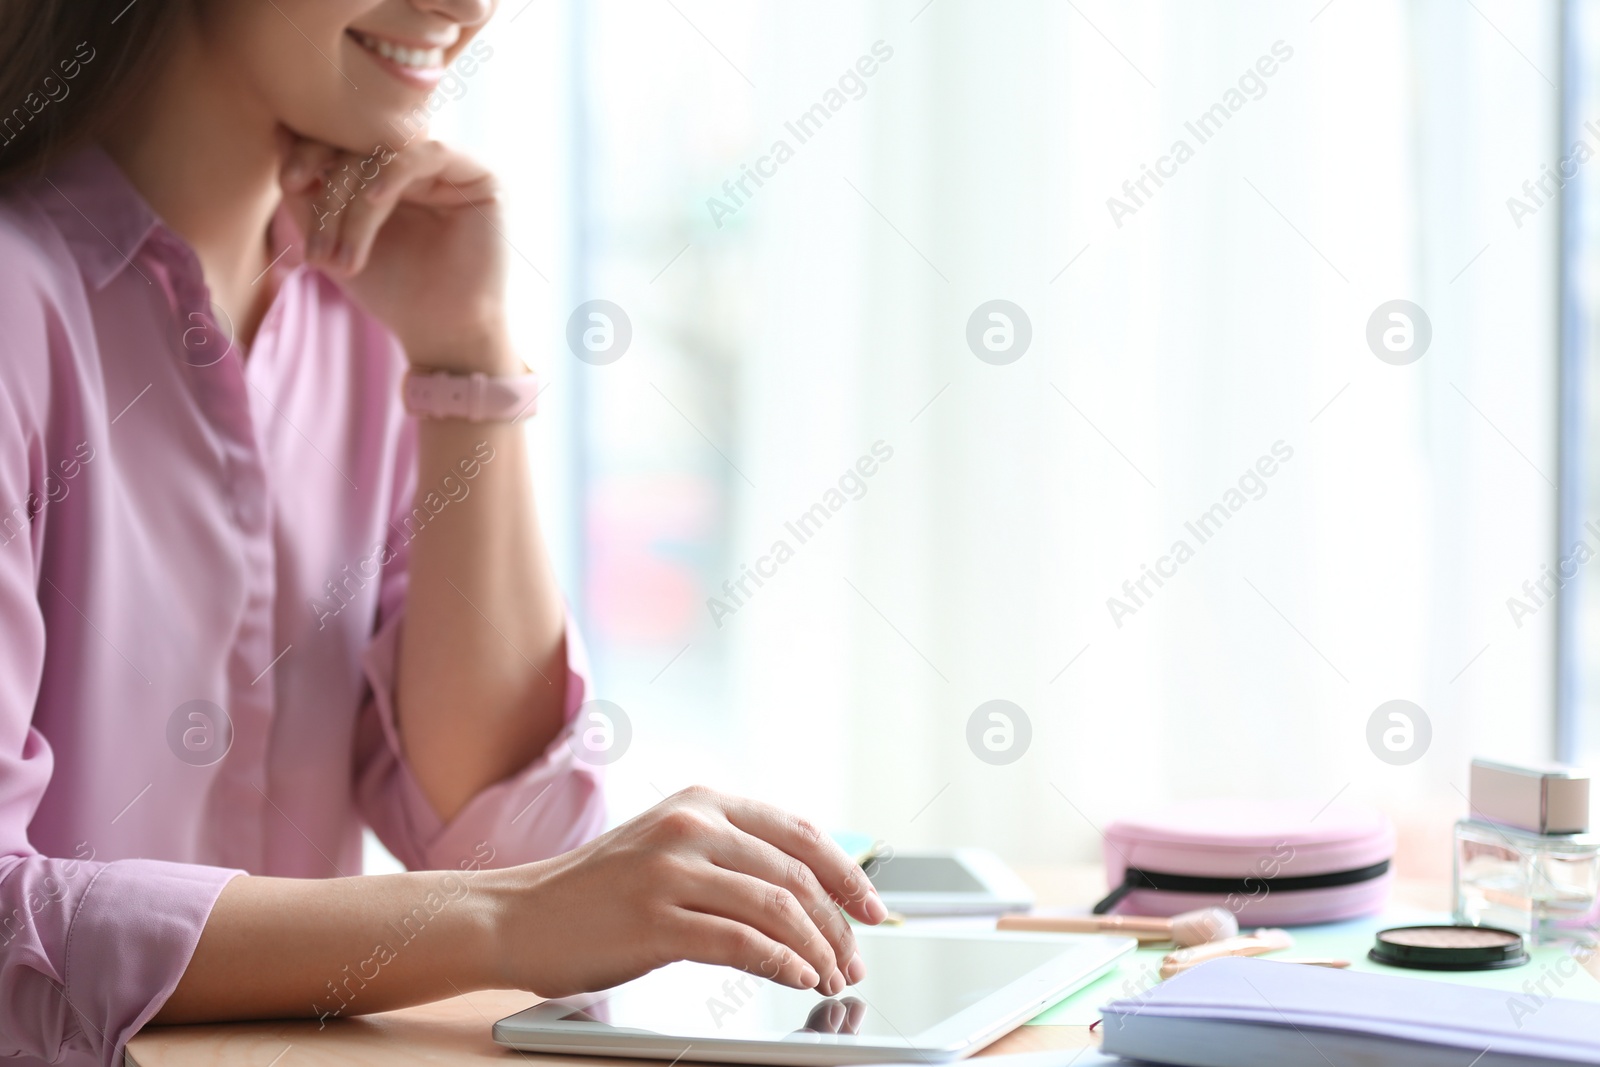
pixel 913 984
pixel 922 874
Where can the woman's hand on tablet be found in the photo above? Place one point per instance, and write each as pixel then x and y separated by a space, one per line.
pixel 700 876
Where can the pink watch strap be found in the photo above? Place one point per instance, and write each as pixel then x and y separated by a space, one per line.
pixel 475 397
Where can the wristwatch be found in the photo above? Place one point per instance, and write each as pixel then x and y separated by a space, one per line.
pixel 475 397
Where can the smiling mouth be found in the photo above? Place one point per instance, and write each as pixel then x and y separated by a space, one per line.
pixel 421 60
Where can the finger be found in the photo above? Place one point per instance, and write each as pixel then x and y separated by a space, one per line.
pixel 301 178
pixel 377 185
pixel 773 910
pixel 317 205
pixel 342 191
pixel 839 874
pixel 826 1017
pixel 713 939
pixel 369 207
pixel 438 176
pixel 855 1012
pixel 303 163
pixel 750 855
pixel 311 220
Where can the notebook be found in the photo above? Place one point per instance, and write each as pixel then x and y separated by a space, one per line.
pixel 1239 1012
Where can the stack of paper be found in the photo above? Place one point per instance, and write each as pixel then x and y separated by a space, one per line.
pixel 1257 1013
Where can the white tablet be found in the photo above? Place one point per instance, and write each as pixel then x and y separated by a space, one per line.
pixel 962 881
pixel 931 997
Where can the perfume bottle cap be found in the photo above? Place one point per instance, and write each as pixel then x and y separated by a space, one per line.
pixel 1545 798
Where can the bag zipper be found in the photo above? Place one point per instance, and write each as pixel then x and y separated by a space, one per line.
pixel 1138 878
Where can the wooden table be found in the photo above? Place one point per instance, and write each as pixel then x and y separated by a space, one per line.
pixel 456 1031
pixel 450 1032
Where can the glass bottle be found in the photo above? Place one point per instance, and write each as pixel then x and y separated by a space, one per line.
pixel 1543 886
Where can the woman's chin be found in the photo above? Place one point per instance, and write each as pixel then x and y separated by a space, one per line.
pixel 392 129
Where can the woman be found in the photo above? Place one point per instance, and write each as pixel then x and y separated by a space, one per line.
pixel 249 603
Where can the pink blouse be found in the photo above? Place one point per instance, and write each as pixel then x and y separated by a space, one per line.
pixel 184 531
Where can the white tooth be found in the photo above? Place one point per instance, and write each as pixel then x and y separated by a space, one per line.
pixel 416 58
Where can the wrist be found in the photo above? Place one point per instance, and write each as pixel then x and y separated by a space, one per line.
pixel 488 352
pixel 469 953
pixel 503 904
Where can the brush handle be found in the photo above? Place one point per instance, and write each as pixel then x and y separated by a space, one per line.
pixel 1257 944
pixel 1148 931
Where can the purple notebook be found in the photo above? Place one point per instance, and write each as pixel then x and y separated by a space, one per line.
pixel 1246 1012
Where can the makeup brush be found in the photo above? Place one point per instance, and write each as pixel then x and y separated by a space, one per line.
pixel 1257 944
pixel 1198 927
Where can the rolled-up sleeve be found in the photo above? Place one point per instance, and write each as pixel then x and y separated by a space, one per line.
pixel 89 951
pixel 550 806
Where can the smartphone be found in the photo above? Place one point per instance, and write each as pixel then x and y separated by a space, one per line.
pixel 962 881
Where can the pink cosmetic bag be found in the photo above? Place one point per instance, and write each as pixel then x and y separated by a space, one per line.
pixel 1272 863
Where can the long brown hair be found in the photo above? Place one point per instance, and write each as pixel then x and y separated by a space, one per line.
pixel 68 66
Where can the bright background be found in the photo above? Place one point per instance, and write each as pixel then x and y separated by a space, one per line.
pixel 1168 354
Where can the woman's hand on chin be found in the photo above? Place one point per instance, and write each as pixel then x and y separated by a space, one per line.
pixel 700 876
pixel 414 235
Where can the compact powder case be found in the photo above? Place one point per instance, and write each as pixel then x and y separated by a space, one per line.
pixel 1449 948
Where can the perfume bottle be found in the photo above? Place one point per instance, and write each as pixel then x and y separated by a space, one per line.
pixel 1524 858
